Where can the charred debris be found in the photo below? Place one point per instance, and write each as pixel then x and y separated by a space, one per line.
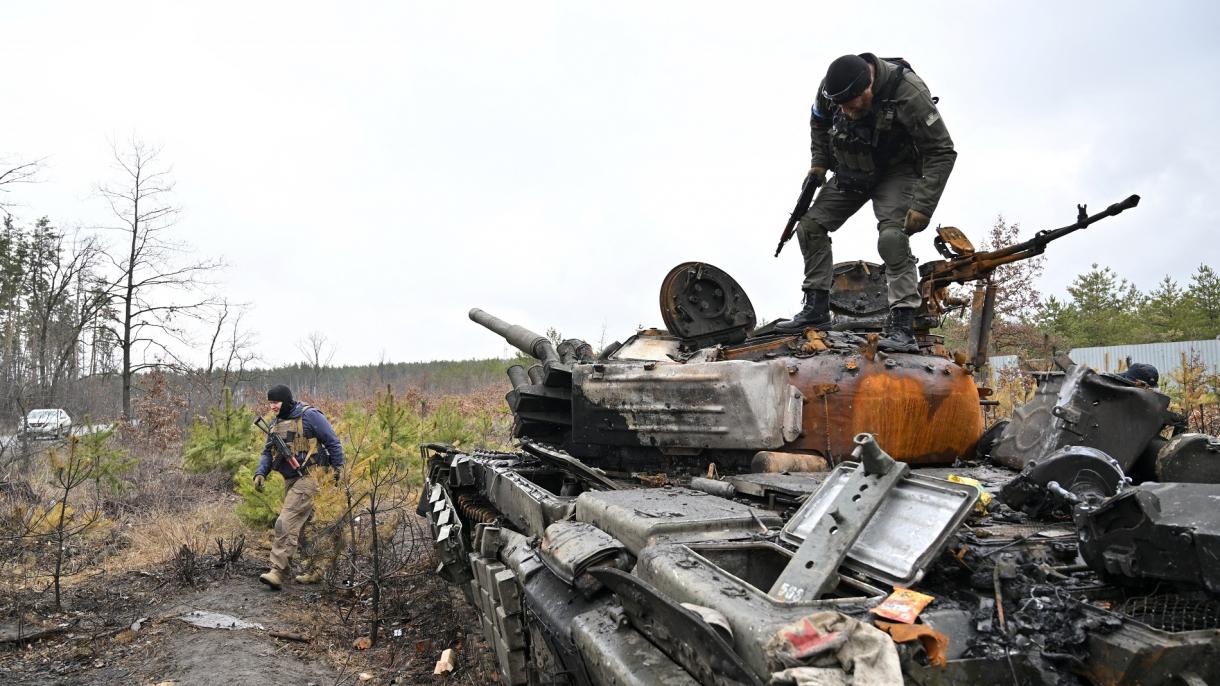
pixel 717 503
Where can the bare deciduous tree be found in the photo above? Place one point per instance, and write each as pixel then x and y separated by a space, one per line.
pixel 64 298
pixel 154 288
pixel 318 354
pixel 230 348
pixel 13 172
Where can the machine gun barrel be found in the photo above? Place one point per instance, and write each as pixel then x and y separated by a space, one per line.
pixel 528 342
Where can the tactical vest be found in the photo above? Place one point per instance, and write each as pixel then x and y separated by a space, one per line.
pixel 292 431
pixel 865 147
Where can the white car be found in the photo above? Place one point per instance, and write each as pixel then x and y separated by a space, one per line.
pixel 47 424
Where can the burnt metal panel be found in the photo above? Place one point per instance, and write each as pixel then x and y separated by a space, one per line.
pixel 1155 531
pixel 734 404
pixel 909 529
pixel 1082 407
pixel 642 517
pixel 1139 655
pixel 618 654
pixel 718 575
pixel 569 549
pixel 649 347
pixel 833 529
pixel 527 505
pixel 678 631
pixel 1194 458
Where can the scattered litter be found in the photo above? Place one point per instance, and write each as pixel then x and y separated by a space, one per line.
pixel 362 643
pixel 99 664
pixel 445 664
pixel 215 620
pixel 934 643
pixel 984 497
pixel 365 676
pixel 135 626
pixel 903 605
pixel 398 633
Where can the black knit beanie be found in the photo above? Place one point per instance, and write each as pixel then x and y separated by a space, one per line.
pixel 846 78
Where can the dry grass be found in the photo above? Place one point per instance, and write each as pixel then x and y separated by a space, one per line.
pixel 154 538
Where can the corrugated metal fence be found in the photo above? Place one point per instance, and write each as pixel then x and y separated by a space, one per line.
pixel 1166 357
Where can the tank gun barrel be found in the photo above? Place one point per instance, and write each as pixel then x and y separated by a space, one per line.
pixel 535 345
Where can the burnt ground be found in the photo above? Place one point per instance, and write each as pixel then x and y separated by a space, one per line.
pixel 95 643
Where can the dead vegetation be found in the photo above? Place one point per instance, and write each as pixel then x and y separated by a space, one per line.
pixel 143 541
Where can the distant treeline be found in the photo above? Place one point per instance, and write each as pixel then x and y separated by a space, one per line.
pixel 99 397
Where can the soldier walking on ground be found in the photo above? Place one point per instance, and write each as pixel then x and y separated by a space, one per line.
pixel 876 126
pixel 309 435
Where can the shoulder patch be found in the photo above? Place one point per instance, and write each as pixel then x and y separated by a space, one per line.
pixel 931 118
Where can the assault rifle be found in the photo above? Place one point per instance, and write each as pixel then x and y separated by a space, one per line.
pixel 280 450
pixel 802 206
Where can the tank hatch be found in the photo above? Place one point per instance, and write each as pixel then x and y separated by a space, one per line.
pixel 705 306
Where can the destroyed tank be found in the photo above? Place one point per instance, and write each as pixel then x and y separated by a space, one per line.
pixel 718 503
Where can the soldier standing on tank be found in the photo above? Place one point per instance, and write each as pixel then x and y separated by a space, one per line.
pixel 876 126
pixel 307 433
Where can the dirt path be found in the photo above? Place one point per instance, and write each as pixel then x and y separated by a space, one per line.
pixel 98 647
pixel 189 655
pixel 166 648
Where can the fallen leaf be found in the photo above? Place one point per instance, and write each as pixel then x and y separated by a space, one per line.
pixel 362 643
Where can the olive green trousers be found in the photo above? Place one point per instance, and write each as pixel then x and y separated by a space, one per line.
pixel 832 207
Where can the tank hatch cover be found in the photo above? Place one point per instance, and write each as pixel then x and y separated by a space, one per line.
pixel 859 289
pixel 705 306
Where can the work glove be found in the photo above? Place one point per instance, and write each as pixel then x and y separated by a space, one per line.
pixel 258 482
pixel 818 173
pixel 916 221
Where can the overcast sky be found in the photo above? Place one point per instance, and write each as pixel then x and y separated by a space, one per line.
pixel 389 165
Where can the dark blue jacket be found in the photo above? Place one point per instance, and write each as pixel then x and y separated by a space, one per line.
pixel 315 425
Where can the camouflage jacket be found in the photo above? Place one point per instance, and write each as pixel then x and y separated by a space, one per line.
pixel 918 132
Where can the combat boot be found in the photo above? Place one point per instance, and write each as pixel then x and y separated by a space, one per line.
pixel 273 578
pixel 815 314
pixel 308 578
pixel 899 334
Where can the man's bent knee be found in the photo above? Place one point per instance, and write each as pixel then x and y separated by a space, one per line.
pixel 894 246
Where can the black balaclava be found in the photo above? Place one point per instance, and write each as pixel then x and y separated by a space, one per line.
pixel 283 394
